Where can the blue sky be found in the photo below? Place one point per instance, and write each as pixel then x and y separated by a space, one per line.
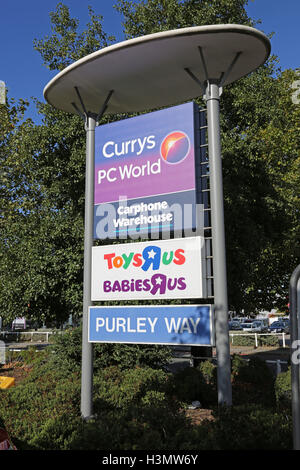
pixel 23 21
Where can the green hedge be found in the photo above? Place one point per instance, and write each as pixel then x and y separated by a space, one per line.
pixel 245 340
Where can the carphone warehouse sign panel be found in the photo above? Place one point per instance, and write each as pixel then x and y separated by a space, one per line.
pixel 143 166
pixel 164 269
pixel 173 324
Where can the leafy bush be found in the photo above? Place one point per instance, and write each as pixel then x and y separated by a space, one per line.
pixel 133 408
pixel 136 410
pixel 191 384
pixel 67 348
pixel 141 407
pixel 116 388
pixel 245 427
pixel 45 396
pixel 138 429
pixel 283 388
pixel 209 372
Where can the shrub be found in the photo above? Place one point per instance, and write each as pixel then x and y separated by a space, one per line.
pixel 57 432
pixel 45 395
pixel 117 388
pixel 245 340
pixel 127 356
pixel 135 410
pixel 141 407
pixel 209 372
pixel 246 427
pixel 67 348
pixel 157 428
pixel 252 382
pixel 283 388
pixel 191 384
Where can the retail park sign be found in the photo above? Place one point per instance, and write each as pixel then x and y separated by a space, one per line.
pixel 143 166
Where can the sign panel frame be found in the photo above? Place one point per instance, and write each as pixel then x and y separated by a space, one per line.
pixel 165 322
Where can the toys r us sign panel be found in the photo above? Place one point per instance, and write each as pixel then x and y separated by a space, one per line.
pixel 164 269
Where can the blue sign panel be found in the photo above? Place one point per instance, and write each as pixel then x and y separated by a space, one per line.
pixel 145 172
pixel 190 325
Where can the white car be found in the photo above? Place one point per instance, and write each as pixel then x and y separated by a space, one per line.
pixel 254 327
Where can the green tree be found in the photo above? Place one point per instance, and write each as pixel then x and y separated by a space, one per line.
pixel 261 154
pixel 42 169
pixel 261 211
pixel 151 16
pixel 67 44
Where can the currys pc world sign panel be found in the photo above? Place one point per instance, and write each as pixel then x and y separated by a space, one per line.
pixel 144 167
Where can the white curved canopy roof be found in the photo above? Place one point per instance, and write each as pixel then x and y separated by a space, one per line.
pixel 150 71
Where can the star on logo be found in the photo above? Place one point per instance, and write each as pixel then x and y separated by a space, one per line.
pixel 158 281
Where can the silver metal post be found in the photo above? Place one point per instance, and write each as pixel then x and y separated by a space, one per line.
pixel 218 243
pixel 87 348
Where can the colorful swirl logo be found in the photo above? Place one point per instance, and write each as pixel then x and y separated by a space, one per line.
pixel 175 147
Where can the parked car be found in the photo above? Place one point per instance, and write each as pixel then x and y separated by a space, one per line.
pixel 254 327
pixel 247 326
pixel 279 327
pixel 259 326
pixel 234 325
pixel 19 324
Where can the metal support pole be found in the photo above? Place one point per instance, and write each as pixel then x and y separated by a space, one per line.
pixel 218 243
pixel 294 299
pixel 87 348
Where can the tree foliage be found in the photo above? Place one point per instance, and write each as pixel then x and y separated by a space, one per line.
pixel 151 16
pixel 261 163
pixel 67 44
